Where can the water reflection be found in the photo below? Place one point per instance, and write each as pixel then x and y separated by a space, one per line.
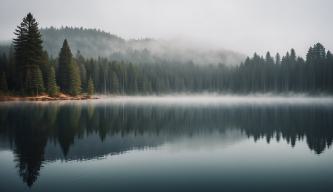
pixel 38 133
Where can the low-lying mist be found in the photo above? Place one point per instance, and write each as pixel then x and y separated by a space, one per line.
pixel 95 43
pixel 218 99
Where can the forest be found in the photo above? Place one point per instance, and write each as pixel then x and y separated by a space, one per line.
pixel 26 68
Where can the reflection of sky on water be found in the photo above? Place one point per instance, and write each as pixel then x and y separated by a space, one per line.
pixel 160 140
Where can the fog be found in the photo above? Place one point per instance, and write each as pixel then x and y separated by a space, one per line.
pixel 240 25
pixel 217 99
pixel 93 44
pixel 206 99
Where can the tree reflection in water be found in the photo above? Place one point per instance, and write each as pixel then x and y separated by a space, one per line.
pixel 30 127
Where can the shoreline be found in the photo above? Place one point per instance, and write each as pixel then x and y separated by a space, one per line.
pixel 61 97
pixel 180 96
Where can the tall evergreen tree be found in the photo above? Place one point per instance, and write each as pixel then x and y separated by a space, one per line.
pixel 37 84
pixel 83 71
pixel 269 60
pixel 114 83
pixel 65 61
pixel 28 54
pixel 277 59
pixel 52 88
pixel 69 78
pixel 292 55
pixel 44 66
pixel 74 79
pixel 90 88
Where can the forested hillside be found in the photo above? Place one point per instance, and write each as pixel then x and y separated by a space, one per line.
pixel 28 68
pixel 94 43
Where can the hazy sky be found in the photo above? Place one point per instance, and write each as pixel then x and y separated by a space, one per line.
pixel 241 25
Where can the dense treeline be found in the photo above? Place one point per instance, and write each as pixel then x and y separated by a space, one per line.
pixel 291 73
pixel 257 74
pixel 27 69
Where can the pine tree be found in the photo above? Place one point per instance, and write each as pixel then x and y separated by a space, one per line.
pixel 277 59
pixel 329 63
pixel 83 71
pixel 114 83
pixel 319 52
pixel 37 85
pixel 28 53
pixel 292 55
pixel 28 81
pixel 65 60
pixel 52 87
pixel 74 79
pixel 69 78
pixel 44 66
pixel 90 88
pixel 269 60
pixel 33 81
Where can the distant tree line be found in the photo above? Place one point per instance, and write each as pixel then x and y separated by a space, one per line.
pixel 256 74
pixel 27 69
pixel 289 73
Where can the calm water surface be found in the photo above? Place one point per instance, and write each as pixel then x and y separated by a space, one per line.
pixel 168 144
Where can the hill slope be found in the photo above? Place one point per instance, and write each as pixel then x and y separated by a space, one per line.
pixel 95 43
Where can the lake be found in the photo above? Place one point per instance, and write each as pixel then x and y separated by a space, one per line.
pixel 198 143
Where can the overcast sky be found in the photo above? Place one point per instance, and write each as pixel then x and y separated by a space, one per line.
pixel 246 26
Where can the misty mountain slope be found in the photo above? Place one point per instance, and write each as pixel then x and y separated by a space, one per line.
pixel 91 42
pixel 95 43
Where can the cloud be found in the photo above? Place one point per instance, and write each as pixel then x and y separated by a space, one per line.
pixel 241 25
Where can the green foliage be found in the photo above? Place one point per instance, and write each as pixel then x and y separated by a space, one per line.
pixel 83 72
pixel 114 83
pixel 28 56
pixel 90 89
pixel 64 67
pixel 74 86
pixel 52 88
pixel 37 85
pixel 44 66
pixel 27 68
pixel 69 78
pixel 256 74
pixel 33 83
pixel 132 76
